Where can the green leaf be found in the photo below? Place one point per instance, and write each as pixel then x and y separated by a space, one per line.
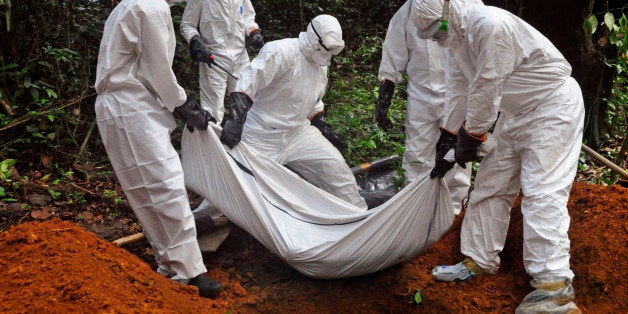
pixel 613 38
pixel 590 25
pixel 8 67
pixel 34 93
pixel 418 297
pixel 27 82
pixel 609 20
pixel 51 93
pixel 7 163
pixel 5 168
pixel 623 21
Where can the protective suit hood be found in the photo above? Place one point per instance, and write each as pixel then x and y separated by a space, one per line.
pixel 428 14
pixel 322 40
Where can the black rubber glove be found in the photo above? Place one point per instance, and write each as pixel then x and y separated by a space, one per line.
pixel 256 40
pixel 240 104
pixel 467 146
pixel 193 115
pixel 386 91
pixel 446 141
pixel 320 122
pixel 198 52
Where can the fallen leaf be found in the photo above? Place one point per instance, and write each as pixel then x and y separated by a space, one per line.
pixel 43 213
pixel 39 199
pixel 86 215
pixel 46 161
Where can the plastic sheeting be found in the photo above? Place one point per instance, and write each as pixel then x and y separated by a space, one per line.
pixel 315 232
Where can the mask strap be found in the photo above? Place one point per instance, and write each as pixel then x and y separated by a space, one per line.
pixel 320 40
pixel 444 21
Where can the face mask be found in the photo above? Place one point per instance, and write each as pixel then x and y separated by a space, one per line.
pixel 322 58
pixel 445 41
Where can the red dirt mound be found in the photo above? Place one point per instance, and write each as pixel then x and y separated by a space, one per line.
pixel 57 266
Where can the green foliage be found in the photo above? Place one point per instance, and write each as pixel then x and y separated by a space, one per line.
pixel 417 297
pixel 49 55
pixel 351 100
pixel 27 93
pixel 5 9
pixel 55 195
pixel 616 116
pixel 286 18
pixel 6 170
pixel 46 78
pixel 75 197
pixel 590 25
pixel 118 201
pixel 47 62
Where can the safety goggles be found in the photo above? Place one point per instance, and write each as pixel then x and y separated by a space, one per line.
pixel 333 49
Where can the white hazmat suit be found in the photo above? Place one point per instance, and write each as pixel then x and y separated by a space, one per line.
pixel 286 83
pixel 137 92
pixel 223 26
pixel 501 65
pixel 424 62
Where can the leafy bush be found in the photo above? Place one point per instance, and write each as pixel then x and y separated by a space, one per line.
pixel 615 34
pixel 46 77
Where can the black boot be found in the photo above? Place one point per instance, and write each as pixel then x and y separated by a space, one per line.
pixel 207 287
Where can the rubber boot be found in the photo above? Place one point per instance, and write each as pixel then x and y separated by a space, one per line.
pixel 207 287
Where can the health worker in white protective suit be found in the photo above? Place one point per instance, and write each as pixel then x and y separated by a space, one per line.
pixel 501 65
pixel 216 32
pixel 279 96
pixel 137 95
pixel 424 62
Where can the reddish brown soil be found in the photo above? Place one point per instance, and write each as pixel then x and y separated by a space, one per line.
pixel 59 267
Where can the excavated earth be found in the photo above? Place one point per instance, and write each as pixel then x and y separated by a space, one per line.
pixel 58 266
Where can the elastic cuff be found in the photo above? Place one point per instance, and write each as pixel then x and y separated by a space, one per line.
pixel 247 95
pixel 471 265
pixel 550 285
pixel 442 129
pixel 316 114
pixel 483 137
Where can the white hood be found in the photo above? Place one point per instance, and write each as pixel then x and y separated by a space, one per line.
pixel 428 14
pixel 322 40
